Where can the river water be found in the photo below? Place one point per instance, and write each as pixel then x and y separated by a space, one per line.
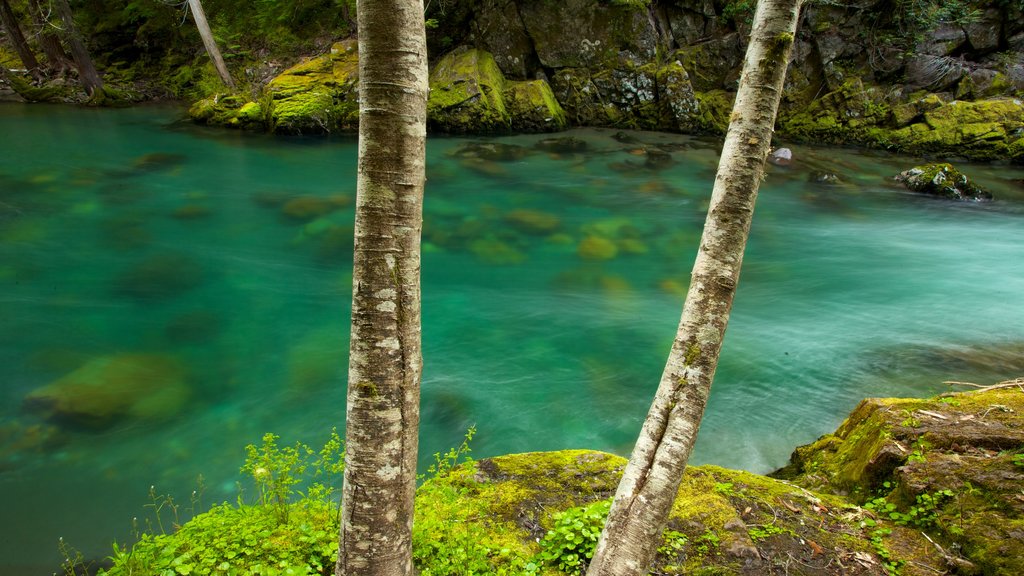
pixel 552 287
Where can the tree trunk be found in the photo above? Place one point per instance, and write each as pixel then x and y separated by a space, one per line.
pixel 57 60
pixel 651 479
pixel 87 74
pixel 18 39
pixel 385 360
pixel 211 45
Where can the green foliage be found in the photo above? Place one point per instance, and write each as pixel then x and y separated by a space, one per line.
pixel 726 489
pixel 922 514
pixel 444 464
pixel 758 533
pixel 738 11
pixel 891 564
pixel 570 543
pixel 634 4
pixel 1018 460
pixel 276 536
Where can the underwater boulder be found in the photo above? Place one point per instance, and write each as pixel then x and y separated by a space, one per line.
pixel 562 145
pixel 597 248
pixel 108 389
pixel 942 180
pixel 533 221
pixel 306 208
pixel 492 151
pixel 159 276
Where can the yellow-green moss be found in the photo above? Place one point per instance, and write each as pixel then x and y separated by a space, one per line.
pixel 467 94
pixel 533 108
pixel 319 95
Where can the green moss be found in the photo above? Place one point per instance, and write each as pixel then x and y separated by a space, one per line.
pixel 533 108
pixel 316 96
pixel 467 94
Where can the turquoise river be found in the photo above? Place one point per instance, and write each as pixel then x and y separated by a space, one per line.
pixel 552 285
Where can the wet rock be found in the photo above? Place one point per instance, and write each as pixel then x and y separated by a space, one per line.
pixel 108 389
pixel 496 252
pixel 533 221
pixel 562 145
pixel 158 162
pixel 493 151
pixel 826 178
pixel 597 248
pixel 942 180
pixel 19 440
pixel 656 159
pixel 193 327
pixel 781 157
pixel 159 277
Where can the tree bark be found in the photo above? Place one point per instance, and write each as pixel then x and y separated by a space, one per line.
pixel 385 359
pixel 208 41
pixel 87 73
pixel 651 480
pixel 18 39
pixel 57 60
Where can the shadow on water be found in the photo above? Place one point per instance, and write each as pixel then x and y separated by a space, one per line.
pixel 554 271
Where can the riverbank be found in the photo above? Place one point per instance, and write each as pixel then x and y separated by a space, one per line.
pixel 944 82
pixel 903 487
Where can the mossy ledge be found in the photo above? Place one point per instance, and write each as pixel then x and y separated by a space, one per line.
pixel 903 487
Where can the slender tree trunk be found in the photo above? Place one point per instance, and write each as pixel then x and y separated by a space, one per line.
pixel 385 360
pixel 18 39
pixel 651 479
pixel 87 73
pixel 57 60
pixel 211 45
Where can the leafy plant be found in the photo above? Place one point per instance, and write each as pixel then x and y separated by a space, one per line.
pixel 922 514
pixel 570 543
pixel 726 489
pixel 758 533
pixel 891 564
pixel 444 464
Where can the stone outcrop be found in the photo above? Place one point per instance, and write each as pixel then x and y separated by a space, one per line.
pixel 951 466
pixel 942 180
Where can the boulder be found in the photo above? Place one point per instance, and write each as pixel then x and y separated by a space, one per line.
pixel 228 111
pixel 317 96
pixel 950 465
pixel 467 94
pixel 533 107
pixel 942 180
pixel 108 389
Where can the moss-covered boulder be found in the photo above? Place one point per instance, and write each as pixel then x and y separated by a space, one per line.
pixel 979 130
pixel 507 513
pixel 952 466
pixel 942 180
pixel 533 107
pixel 230 111
pixel 108 389
pixel 317 96
pixel 467 94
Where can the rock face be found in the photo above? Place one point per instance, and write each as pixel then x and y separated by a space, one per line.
pixel 952 466
pixel 866 73
pixel 942 180
pixel 109 388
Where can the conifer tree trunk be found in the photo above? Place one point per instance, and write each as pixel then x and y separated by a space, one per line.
pixel 385 360
pixel 57 60
pixel 18 39
pixel 87 73
pixel 651 480
pixel 208 41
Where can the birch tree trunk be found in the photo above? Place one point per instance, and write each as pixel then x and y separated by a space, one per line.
pixel 199 16
pixel 382 417
pixel 18 39
pixel 651 479
pixel 87 73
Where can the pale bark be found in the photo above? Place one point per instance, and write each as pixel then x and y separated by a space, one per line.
pixel 199 16
pixel 18 39
pixel 651 480
pixel 385 361
pixel 87 73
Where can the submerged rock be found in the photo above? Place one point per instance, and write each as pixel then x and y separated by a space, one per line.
pixel 781 157
pixel 942 180
pixel 597 248
pixel 109 388
pixel 533 221
pixel 562 145
pixel 493 151
pixel 159 276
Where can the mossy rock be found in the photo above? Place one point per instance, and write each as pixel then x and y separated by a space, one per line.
pixel 467 94
pixel 228 111
pixel 533 107
pixel 979 130
pixel 950 465
pixel 722 522
pixel 317 96
pixel 942 180
pixel 107 389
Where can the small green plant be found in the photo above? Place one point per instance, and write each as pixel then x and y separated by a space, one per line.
pixel 918 449
pixel 276 471
pixel 1018 460
pixel 922 514
pixel 707 543
pixel 672 543
pixel 444 464
pixel 726 489
pixel 758 533
pixel 570 543
pixel 891 564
